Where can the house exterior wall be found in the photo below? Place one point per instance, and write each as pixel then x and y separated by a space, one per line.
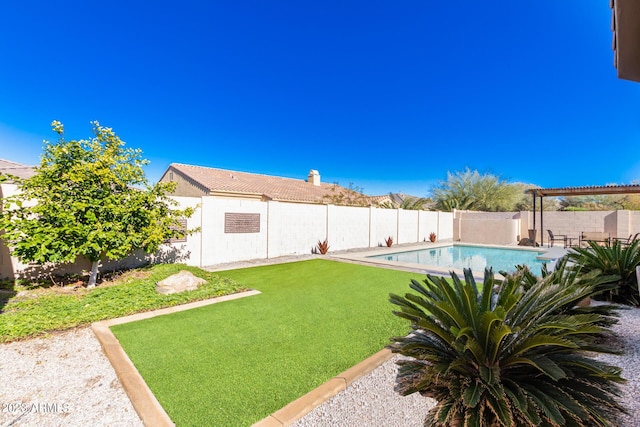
pixel 184 186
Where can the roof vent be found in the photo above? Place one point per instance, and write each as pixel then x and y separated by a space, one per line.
pixel 314 177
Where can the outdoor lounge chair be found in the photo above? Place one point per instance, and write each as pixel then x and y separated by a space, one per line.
pixel 628 240
pixel 600 237
pixel 556 237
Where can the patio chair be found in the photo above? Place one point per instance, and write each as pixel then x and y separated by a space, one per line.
pixel 556 237
pixel 627 241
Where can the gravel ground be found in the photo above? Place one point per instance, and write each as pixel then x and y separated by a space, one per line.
pixel 65 380
pixel 61 380
pixel 371 401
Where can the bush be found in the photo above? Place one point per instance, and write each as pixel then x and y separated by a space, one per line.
pixel 616 260
pixel 515 352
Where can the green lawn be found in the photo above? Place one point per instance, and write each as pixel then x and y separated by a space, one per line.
pixel 37 311
pixel 234 363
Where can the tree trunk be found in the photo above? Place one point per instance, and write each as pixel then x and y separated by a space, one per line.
pixel 94 274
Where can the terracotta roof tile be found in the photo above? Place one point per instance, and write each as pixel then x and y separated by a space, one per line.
pixel 16 169
pixel 272 187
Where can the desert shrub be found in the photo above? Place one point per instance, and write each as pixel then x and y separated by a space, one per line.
pixel 616 260
pixel 512 353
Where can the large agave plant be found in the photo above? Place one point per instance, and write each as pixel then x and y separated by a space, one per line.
pixel 511 353
pixel 614 259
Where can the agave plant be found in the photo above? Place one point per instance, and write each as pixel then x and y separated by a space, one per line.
pixel 506 354
pixel 323 247
pixel 615 259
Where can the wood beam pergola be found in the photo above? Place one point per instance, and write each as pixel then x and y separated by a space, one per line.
pixel 575 191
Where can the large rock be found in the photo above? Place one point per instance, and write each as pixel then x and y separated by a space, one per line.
pixel 179 282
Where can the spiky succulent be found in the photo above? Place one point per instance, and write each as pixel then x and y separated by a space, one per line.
pixel 513 353
pixel 615 259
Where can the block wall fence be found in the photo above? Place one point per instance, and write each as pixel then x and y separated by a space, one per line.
pixel 506 228
pixel 240 230
pixel 295 228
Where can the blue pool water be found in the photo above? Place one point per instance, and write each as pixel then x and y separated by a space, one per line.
pixel 474 257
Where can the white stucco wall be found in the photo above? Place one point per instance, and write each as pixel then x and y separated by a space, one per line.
pixel 220 247
pixel 444 224
pixel 384 223
pixel 408 225
pixel 295 228
pixel 347 227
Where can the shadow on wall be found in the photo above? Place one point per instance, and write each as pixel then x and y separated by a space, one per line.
pixel 48 275
pixel 169 254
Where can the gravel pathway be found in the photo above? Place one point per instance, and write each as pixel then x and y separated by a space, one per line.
pixel 61 380
pixel 65 380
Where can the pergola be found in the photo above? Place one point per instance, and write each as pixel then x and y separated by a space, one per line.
pixel 575 191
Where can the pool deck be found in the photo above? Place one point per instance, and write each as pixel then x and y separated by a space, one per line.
pixel 363 257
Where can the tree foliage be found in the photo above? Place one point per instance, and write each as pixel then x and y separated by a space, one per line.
pixel 470 190
pixel 603 202
pixel 350 196
pixel 89 198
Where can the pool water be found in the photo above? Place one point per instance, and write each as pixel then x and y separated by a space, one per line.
pixel 474 257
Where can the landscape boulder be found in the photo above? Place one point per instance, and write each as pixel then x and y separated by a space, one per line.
pixel 179 282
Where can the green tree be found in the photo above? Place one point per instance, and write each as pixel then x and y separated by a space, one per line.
pixel 469 190
pixel 89 198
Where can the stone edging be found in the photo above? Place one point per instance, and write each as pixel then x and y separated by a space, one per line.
pixel 305 404
pixel 145 403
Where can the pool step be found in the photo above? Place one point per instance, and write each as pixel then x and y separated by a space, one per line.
pixel 552 253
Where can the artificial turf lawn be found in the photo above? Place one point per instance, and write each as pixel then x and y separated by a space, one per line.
pixel 234 363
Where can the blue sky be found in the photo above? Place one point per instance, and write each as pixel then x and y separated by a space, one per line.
pixel 386 95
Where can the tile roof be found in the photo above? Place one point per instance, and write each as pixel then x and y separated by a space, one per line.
pixel 16 169
pixel 270 187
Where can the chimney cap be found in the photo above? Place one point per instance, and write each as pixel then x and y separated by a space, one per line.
pixel 314 177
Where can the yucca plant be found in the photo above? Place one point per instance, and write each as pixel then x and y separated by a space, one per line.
pixel 615 259
pixel 507 354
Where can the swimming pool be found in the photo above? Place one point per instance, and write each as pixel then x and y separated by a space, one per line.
pixel 474 257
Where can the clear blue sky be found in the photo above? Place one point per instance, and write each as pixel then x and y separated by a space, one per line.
pixel 389 95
